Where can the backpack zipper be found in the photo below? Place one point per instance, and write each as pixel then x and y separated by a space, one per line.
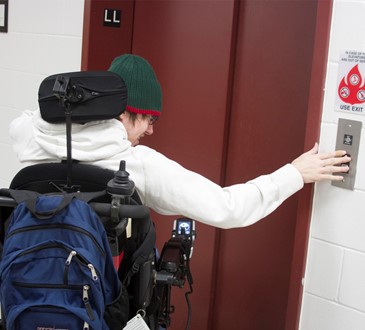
pixel 48 286
pixel 93 272
pixel 82 260
pixel 72 254
pixel 85 298
pixel 57 226
pixel 52 245
pixel 67 266
pixel 69 258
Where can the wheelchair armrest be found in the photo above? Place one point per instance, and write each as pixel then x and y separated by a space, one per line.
pixel 7 202
pixel 125 211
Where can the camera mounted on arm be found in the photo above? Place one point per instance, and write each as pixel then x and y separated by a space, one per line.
pixel 174 266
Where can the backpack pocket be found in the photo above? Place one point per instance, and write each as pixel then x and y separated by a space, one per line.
pixel 41 284
pixel 117 313
pixel 48 317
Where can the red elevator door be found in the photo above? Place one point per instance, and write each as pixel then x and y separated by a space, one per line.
pixel 235 77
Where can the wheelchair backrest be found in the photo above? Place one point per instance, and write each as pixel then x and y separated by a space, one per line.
pixel 51 177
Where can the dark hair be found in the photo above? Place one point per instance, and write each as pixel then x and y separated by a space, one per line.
pixel 133 116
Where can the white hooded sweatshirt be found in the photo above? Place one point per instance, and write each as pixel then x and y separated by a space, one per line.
pixel 162 184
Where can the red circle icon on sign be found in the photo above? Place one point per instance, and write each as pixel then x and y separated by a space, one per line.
pixel 351 88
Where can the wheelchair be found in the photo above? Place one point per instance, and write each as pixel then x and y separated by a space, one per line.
pixel 70 97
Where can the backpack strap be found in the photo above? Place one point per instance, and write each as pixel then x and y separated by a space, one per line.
pixel 19 196
pixel 47 214
pixel 30 200
pixel 141 255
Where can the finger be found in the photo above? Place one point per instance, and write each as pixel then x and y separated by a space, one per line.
pixel 336 161
pixel 342 160
pixel 333 154
pixel 340 153
pixel 331 170
pixel 333 177
pixel 340 169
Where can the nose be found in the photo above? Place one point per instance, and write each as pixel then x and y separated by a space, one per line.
pixel 149 130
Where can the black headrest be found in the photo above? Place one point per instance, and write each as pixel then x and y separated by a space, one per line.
pixel 87 95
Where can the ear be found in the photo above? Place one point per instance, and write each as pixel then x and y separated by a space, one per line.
pixel 123 117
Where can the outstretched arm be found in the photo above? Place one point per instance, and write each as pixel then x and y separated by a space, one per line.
pixel 314 166
pixel 170 189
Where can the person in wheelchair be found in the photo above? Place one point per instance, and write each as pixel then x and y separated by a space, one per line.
pixel 162 184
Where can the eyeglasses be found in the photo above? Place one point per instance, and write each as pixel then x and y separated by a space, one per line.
pixel 152 120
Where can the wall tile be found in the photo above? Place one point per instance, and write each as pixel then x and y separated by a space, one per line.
pixel 320 314
pixel 7 116
pixel 352 289
pixel 74 21
pixel 43 54
pixel 52 17
pixel 24 89
pixel 59 54
pixel 11 167
pixel 324 268
pixel 338 216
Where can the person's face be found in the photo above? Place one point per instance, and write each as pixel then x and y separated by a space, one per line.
pixel 138 129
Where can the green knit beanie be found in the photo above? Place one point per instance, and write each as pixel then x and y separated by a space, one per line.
pixel 144 90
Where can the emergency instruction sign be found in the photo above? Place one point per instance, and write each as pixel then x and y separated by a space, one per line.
pixel 350 96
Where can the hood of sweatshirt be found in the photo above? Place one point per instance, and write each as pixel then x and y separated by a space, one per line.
pixel 36 141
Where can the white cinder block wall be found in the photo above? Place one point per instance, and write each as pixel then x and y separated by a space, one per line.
pixel 45 37
pixel 334 285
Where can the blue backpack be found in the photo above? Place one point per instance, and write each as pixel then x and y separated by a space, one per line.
pixel 57 270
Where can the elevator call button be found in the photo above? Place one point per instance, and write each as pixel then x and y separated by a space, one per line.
pixel 348 138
